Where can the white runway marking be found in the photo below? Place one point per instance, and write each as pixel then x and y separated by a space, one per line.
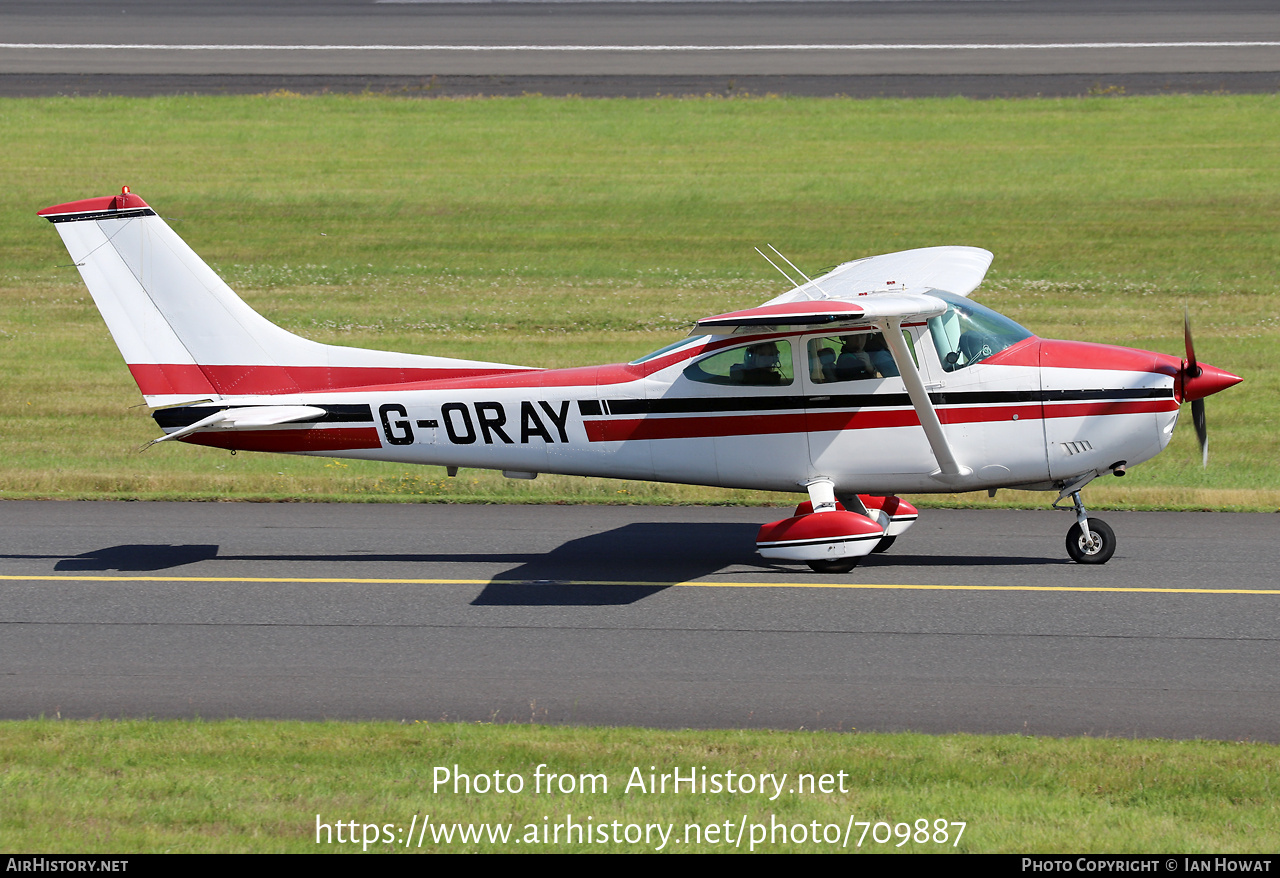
pixel 763 47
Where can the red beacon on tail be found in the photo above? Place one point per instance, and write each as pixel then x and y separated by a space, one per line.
pixel 878 378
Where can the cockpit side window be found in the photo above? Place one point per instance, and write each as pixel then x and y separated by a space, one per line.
pixel 968 333
pixel 854 357
pixel 764 364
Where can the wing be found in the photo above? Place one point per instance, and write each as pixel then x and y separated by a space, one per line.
pixel 862 292
pixel 956 270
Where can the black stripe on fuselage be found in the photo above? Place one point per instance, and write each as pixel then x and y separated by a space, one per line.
pixel 100 215
pixel 702 405
pixel 184 416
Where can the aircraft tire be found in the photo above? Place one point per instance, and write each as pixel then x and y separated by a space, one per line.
pixel 1099 551
pixel 833 565
pixel 883 545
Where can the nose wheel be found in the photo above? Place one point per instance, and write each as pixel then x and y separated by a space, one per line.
pixel 1090 540
pixel 1096 547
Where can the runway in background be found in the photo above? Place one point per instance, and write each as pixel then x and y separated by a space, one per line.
pixel 980 49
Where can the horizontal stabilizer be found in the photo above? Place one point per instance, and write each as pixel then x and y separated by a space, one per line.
pixel 246 418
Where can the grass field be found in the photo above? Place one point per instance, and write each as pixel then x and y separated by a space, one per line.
pixel 129 787
pixel 562 232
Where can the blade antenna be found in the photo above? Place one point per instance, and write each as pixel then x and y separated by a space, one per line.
pixel 775 265
pixel 802 274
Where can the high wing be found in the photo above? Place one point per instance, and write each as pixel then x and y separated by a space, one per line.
pixel 956 270
pixel 864 291
pixel 882 292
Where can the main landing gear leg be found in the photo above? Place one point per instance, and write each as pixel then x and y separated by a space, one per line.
pixel 1089 541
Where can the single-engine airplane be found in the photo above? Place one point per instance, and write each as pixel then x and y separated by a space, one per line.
pixel 876 378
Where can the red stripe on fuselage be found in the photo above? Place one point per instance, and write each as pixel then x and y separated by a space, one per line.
pixel 632 429
pixel 312 439
pixel 1116 407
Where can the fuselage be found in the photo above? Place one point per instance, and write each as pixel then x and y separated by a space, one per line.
pixel 1034 414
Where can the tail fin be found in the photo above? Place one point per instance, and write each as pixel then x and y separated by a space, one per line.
pixel 187 336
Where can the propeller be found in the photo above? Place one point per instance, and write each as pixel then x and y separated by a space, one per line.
pixel 1196 381
pixel 1191 370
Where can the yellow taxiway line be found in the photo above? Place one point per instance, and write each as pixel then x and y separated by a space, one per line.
pixel 603 582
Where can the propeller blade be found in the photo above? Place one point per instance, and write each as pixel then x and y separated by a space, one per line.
pixel 1202 429
pixel 1193 368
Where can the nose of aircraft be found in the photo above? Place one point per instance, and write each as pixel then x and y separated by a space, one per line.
pixel 1208 381
pixel 1193 380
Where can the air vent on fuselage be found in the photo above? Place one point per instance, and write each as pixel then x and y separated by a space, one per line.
pixel 1080 446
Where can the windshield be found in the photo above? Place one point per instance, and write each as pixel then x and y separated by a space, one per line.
pixel 968 333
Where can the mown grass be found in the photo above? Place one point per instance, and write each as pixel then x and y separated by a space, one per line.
pixel 139 786
pixel 557 232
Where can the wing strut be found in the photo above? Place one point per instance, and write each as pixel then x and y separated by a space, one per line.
pixel 947 463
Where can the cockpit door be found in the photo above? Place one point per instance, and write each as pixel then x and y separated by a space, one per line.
pixel 862 429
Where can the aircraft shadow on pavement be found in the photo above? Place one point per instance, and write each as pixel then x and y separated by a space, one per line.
pixel 143 557
pixel 138 558
pixel 618 566
pixel 623 565
pixel 615 567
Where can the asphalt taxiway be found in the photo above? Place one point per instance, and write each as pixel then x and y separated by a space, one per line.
pixel 974 622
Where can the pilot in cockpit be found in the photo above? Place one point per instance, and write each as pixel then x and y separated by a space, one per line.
pixel 760 365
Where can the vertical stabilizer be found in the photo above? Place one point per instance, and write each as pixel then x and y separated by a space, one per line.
pixel 186 335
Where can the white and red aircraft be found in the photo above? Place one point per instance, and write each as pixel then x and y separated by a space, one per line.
pixel 879 377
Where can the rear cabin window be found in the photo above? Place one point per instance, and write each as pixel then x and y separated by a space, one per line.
pixel 764 364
